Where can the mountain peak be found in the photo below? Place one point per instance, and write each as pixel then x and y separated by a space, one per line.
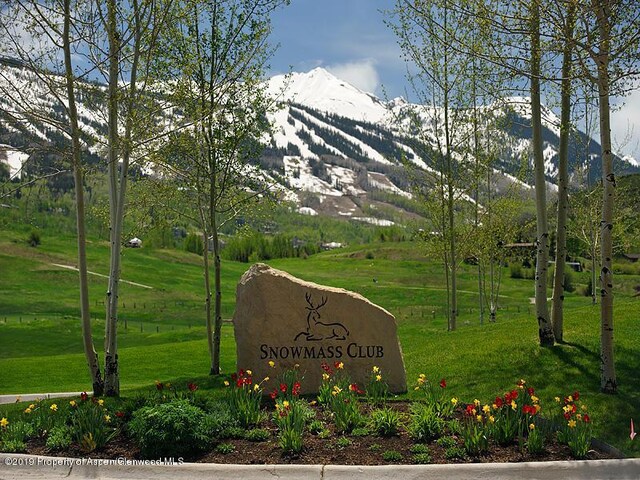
pixel 322 90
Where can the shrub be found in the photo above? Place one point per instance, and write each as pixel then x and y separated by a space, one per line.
pixel 515 271
pixel 194 244
pixel 59 438
pixel 233 432
pixel 171 429
pixel 34 238
pixel 385 422
pixel 424 423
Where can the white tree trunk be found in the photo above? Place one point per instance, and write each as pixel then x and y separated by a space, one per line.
pixel 608 382
pixel 545 331
pixel 78 177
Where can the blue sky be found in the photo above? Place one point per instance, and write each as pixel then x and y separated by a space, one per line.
pixel 350 39
pixel 347 37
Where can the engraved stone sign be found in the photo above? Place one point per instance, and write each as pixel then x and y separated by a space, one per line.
pixel 282 319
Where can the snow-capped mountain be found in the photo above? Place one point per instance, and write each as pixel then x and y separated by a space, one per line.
pixel 335 149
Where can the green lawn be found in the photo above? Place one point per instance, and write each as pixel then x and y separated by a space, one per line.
pixel 40 347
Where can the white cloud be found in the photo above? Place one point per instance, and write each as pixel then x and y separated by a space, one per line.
pixel 360 73
pixel 625 126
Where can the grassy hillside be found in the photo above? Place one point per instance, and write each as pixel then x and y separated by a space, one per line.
pixel 162 333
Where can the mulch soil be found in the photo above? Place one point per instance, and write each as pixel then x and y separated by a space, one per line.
pixel 361 450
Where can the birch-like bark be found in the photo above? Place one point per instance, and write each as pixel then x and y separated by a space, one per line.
pixel 78 177
pixel 563 178
pixel 608 382
pixel 545 331
pixel 111 375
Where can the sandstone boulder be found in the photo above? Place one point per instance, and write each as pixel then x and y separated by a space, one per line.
pixel 288 321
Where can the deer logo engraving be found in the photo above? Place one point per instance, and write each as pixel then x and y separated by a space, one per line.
pixel 318 330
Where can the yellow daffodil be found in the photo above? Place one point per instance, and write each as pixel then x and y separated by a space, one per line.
pixel 492 419
pixel 422 375
pixel 4 422
pixel 285 404
pixel 73 403
pixel 570 399
pixel 578 416
pixel 486 409
pixel 27 410
pixel 514 405
pixel 32 406
pixel 557 399
pixel 537 407
pixel 249 372
pixel 168 385
pixel 226 383
pixel 479 418
pixel 107 418
pixel 421 381
pixel 325 376
pixel 416 388
pixel 101 402
pixel 454 401
pixel 375 369
pixel 571 424
pixel 266 379
pixel 54 407
pixel 567 409
pixel 476 402
pixel 532 426
pixel 256 387
pixel 340 366
pixel 583 408
pixel 272 364
pixel 495 407
pixel 534 399
pixel 378 378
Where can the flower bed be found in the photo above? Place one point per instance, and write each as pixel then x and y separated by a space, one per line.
pixel 345 424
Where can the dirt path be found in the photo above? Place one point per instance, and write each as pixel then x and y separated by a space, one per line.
pixel 75 269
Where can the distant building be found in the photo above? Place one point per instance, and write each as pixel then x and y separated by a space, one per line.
pixel 135 242
pixel 633 257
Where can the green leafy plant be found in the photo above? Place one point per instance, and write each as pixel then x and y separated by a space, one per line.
pixel 446 442
pixel 375 447
pixel 245 398
pixel 419 448
pixel 171 429
pixel 316 426
pixel 576 427
pixel 225 448
pixel 91 424
pixel 13 436
pixel 343 442
pixel 475 431
pixel 290 418
pixel 360 432
pixel 391 456
pixel 435 395
pixel 454 453
pixel 257 435
pixel 377 389
pixel 233 432
pixel 385 422
pixel 59 438
pixel 535 440
pixel 422 458
pixel 289 384
pixel 425 423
